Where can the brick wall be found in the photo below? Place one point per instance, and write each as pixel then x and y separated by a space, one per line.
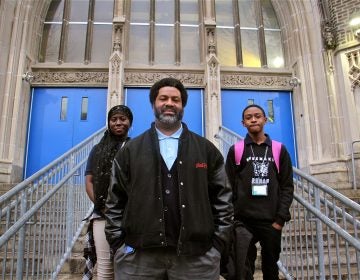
pixel 340 11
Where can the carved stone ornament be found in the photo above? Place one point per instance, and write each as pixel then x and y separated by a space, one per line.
pixel 115 64
pixel 44 78
pixel 211 40
pixel 141 78
pixel 114 94
pixel 213 66
pixel 254 81
pixel 354 68
pixel 328 34
pixel 118 29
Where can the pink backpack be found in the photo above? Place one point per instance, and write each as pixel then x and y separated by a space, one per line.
pixel 275 146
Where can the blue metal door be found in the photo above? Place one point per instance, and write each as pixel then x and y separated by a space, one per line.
pixel 138 100
pixel 60 118
pixel 277 106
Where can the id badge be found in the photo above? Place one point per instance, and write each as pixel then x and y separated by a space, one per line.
pixel 259 190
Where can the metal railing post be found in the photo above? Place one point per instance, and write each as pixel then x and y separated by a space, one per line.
pixel 319 237
pixel 21 242
pixel 70 206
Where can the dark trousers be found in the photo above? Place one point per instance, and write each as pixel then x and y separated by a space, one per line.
pixel 234 261
pixel 165 264
pixel 270 242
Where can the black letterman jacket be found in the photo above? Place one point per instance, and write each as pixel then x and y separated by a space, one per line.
pixel 134 207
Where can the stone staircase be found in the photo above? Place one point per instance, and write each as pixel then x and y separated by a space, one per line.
pixel 74 266
pixel 5 187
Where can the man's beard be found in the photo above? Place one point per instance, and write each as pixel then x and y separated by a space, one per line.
pixel 169 119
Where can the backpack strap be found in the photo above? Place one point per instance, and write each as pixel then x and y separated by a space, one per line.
pixel 276 149
pixel 275 146
pixel 239 150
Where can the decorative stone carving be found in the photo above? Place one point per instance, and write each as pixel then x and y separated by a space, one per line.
pixel 213 69
pixel 210 33
pixel 254 81
pixel 354 68
pixel 118 29
pixel 44 78
pixel 115 63
pixel 190 79
pixel 141 78
pixel 328 34
pixel 213 73
pixel 114 94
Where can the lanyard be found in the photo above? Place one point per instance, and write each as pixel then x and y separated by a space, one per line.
pixel 266 150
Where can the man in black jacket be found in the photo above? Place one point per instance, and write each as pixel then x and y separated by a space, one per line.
pixel 168 211
pixel 262 196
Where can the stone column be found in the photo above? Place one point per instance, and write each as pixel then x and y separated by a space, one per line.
pixel 212 76
pixel 116 61
pixel 14 38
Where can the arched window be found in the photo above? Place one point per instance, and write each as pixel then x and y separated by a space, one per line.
pixel 164 32
pixel 77 31
pixel 248 34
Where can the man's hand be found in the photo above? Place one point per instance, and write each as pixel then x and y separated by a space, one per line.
pixel 277 226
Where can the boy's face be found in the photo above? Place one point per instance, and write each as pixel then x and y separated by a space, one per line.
pixel 254 120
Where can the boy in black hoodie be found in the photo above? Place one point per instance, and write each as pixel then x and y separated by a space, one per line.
pixel 263 194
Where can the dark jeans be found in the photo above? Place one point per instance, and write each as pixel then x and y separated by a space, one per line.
pixel 270 242
pixel 165 264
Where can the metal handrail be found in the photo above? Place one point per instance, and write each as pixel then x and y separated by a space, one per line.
pixel 321 241
pixel 42 217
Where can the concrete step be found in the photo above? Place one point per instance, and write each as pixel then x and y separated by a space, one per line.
pixel 351 194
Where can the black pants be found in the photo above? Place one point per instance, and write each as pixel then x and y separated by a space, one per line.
pixel 270 242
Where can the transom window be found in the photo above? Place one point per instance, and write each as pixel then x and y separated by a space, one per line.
pixel 77 31
pixel 248 34
pixel 164 32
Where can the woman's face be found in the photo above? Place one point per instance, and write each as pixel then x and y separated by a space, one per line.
pixel 119 124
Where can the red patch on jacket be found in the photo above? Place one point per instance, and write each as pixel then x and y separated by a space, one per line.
pixel 201 165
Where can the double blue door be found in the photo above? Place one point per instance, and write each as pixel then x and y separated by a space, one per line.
pixel 277 106
pixel 60 118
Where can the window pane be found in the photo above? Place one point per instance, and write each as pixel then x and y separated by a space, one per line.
pixel 84 108
pixel 226 46
pixel 165 11
pixel 103 11
pixel 140 11
pixel 50 44
pixel 55 12
pixel 190 45
pixel 101 45
pixel 79 10
pixel 189 13
pixel 64 108
pixel 250 48
pixel 247 13
pixel 164 45
pixel 224 13
pixel 269 17
pixel 139 44
pixel 271 115
pixel 75 46
pixel 275 57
